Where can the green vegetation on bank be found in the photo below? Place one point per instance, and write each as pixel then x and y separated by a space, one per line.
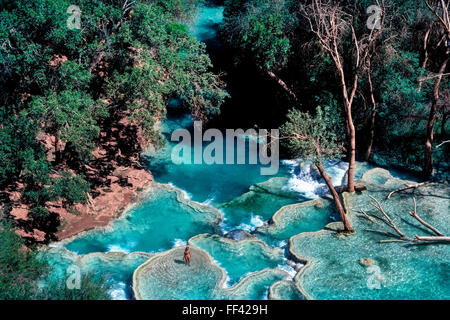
pixel 324 51
pixel 21 271
pixel 62 87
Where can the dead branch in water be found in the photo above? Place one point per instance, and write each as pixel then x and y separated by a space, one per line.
pixel 367 216
pixel 440 238
pixel 377 205
pixel 429 226
pixel 407 187
pixel 443 239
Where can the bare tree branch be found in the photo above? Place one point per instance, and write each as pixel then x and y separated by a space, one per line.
pixel 440 238
pixel 378 206
pixel 407 187
pixel 416 216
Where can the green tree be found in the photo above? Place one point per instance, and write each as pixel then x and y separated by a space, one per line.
pixel 70 116
pixel 312 138
pixel 73 189
pixel 69 85
pixel 22 270
pixel 259 30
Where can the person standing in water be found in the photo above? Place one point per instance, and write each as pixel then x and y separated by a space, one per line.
pixel 187 256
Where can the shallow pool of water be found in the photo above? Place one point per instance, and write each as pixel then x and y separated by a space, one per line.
pixel 158 223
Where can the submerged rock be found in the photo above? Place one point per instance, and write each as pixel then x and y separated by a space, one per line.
pixel 239 235
pixel 377 175
pixel 367 262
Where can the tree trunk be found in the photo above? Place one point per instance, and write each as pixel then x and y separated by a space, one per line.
pixel 351 152
pixel 372 118
pixel 351 132
pixel 444 121
pixel 425 54
pixel 57 152
pixel 282 84
pixel 427 169
pixel 347 225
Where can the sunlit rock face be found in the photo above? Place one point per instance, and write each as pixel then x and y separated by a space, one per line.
pixel 296 218
pixel 166 276
pixel 368 264
pixel 116 267
pixel 239 258
pixel 163 219
pixel 284 290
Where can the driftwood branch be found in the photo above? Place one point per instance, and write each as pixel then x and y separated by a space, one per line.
pixel 367 216
pixel 378 206
pixel 407 187
pixel 439 238
pixel 416 216
pixel 443 239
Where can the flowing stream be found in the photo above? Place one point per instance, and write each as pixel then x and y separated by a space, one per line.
pixel 204 203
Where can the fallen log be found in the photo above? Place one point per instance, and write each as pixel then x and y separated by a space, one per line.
pixel 443 239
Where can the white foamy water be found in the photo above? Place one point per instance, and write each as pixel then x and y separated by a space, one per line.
pixel 282 244
pixel 291 268
pixel 118 291
pixel 306 181
pixel 255 222
pixel 209 201
pixel 186 195
pixel 227 282
pixel 117 248
pixel 179 242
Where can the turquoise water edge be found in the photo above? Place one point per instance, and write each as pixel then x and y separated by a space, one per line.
pixel 252 234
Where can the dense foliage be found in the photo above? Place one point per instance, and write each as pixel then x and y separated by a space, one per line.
pixel 21 270
pixel 67 89
pixel 281 36
pixel 62 86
